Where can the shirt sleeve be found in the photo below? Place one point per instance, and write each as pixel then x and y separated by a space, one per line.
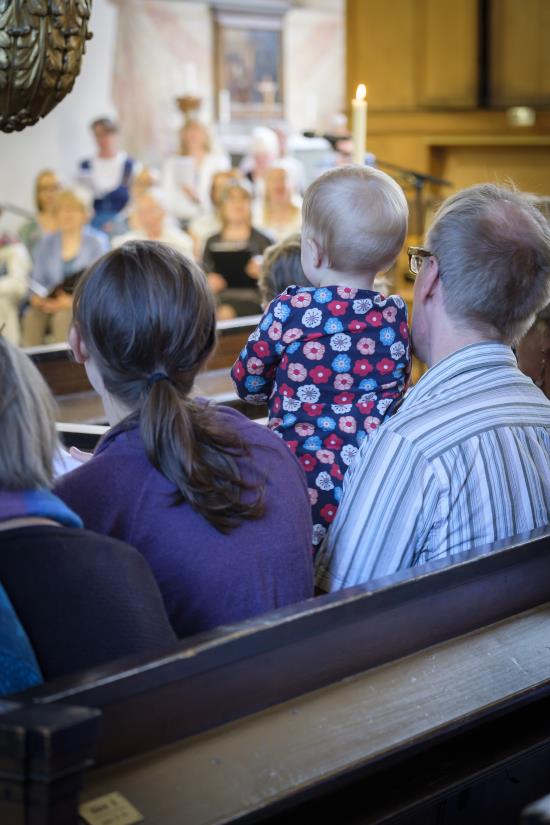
pixel 389 505
pixel 14 284
pixel 253 372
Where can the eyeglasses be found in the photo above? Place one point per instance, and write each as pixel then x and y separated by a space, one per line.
pixel 416 254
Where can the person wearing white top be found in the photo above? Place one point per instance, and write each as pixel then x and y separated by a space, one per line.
pixel 15 267
pixel 107 175
pixel 149 219
pixel 187 177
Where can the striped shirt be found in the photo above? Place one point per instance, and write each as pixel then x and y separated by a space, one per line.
pixel 464 462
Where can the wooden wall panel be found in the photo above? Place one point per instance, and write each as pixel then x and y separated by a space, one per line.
pixel 413 53
pixel 520 56
pixel 381 52
pixel 447 53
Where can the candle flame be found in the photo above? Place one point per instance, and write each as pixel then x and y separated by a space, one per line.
pixel 361 92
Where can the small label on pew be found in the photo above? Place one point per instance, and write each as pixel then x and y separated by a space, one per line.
pixel 111 809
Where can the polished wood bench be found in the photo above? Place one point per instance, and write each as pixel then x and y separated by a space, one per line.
pixel 422 698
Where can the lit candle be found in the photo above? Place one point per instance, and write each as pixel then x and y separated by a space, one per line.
pixel 359 124
pixel 224 106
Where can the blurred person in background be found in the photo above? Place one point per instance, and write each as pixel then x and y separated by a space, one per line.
pixel 149 221
pixel 59 260
pixel 46 189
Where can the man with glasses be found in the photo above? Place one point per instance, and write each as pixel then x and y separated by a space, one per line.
pixel 466 459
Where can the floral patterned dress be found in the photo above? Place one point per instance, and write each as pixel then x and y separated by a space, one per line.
pixel 331 362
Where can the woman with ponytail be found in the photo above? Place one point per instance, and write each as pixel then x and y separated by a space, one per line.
pixel 216 503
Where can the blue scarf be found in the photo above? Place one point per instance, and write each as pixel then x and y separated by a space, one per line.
pixel 37 504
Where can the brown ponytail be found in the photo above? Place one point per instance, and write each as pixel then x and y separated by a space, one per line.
pixel 147 318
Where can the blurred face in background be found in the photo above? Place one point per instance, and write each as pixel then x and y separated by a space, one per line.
pixel 143 181
pixel 106 140
pixel 149 216
pixel 71 213
pixel 277 186
pixel 47 189
pixel 194 139
pixel 236 206
pixel 219 183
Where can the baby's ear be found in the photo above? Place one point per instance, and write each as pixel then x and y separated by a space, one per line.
pixel 316 252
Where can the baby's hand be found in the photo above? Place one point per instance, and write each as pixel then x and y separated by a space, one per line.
pixel 80 455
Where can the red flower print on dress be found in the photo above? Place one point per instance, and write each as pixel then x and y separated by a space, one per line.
pixel 346 292
pixel 284 362
pixel 338 307
pixel 366 346
pixel 328 512
pixel 332 442
pixel 275 331
pixel 362 367
pixel 261 348
pixel 325 456
pixel 312 409
pixel 255 366
pixel 371 423
pixel 365 407
pixel 292 445
pixel 276 405
pixel 343 381
pixel 320 374
pixel 238 370
pixel 385 366
pixel 347 424
pixel 292 335
pixel 304 429
pixel 301 300
pixel 356 326
pixel 308 462
pixel 297 372
pixel 390 314
pixel 284 389
pixel 344 398
pixel 336 472
pixel 404 330
pixel 314 350
pixel 374 318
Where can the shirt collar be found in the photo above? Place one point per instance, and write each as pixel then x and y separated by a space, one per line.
pixel 487 355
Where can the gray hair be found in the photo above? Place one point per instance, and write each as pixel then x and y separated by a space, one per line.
pixel 493 248
pixel 27 423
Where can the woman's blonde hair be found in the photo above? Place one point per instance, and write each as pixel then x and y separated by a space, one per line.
pixel 72 197
pixel 194 124
pixel 27 423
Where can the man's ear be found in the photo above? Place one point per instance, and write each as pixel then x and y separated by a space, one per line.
pixel 78 346
pixel 316 252
pixel 429 282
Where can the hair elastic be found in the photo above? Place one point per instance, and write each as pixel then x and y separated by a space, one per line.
pixel 157 376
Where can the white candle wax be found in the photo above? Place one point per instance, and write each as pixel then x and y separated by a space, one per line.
pixel 359 124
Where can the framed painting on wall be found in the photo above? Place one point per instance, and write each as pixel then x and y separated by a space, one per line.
pixel 249 63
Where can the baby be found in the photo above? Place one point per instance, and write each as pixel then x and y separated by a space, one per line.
pixel 332 359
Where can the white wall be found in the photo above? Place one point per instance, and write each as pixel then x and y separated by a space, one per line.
pixel 62 138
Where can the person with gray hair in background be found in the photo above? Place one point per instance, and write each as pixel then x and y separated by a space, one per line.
pixel 466 459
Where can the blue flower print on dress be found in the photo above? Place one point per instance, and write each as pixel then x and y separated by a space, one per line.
pixel 254 382
pixel 266 322
pixel 292 347
pixel 279 348
pixel 387 336
pixel 326 423
pixel 333 325
pixel 281 311
pixel 397 350
pixel 312 318
pixel 360 437
pixel 313 443
pixel 342 363
pixel 337 493
pixel 289 420
pixel 322 295
pixel 368 384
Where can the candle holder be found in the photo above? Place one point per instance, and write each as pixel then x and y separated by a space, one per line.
pixel 189 105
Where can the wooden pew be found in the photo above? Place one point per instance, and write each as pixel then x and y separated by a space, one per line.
pixel 418 699
pixel 78 402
